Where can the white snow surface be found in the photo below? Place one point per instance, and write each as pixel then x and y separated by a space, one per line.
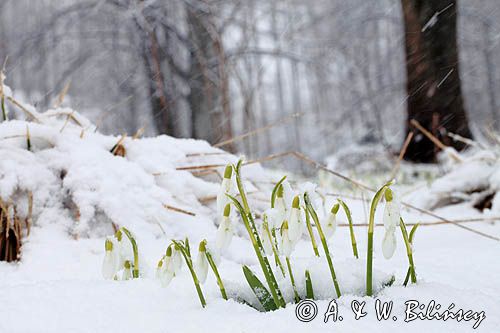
pixel 80 189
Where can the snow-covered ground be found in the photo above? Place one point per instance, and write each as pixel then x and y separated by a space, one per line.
pixel 80 189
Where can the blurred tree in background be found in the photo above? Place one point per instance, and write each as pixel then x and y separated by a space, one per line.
pixel 321 75
pixel 433 81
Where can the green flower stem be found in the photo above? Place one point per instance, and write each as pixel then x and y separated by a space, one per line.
pixel 273 245
pixel 323 242
pixel 295 293
pixel 309 286
pixel 241 189
pixel 135 269
pixel 216 273
pixel 311 234
pixel 409 252
pixel 276 257
pixel 278 189
pixel 189 264
pixel 351 228
pixel 249 222
pixel 371 226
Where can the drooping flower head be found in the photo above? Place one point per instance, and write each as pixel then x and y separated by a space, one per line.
pixel 165 270
pixel 391 210
pixel 391 221
pixel 201 263
pixel 295 225
pixel 331 222
pixel 226 188
pixel 225 230
pixel 277 214
pixel 287 245
pixel 110 264
pixel 127 270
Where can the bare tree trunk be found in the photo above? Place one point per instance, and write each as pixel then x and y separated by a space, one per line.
pixel 433 81
pixel 490 73
pixel 209 87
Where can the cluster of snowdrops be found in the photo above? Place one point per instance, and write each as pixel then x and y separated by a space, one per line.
pixel 291 215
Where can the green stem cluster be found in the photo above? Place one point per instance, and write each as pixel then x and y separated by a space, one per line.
pixel 322 237
pixel 249 223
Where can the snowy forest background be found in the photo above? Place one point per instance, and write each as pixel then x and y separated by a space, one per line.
pixel 338 66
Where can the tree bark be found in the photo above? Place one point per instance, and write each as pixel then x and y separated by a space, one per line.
pixel 433 82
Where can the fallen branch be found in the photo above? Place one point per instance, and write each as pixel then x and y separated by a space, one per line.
pixel 178 210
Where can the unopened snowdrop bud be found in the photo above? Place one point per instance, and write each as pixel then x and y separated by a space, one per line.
pixel 201 264
pixel 110 262
pixel 277 214
pixel 176 259
pixel 225 189
pixel 331 222
pixel 127 270
pixel 266 239
pixel 287 245
pixel 225 230
pixel 389 244
pixel 295 227
pixel 165 269
pixel 391 210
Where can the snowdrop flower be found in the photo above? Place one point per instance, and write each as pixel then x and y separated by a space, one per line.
pixel 295 227
pixel 265 237
pixel 127 271
pixel 331 222
pixel 277 214
pixel 165 270
pixel 391 210
pixel 201 264
pixel 124 248
pixel 225 231
pixel 287 245
pixel 110 263
pixel 176 261
pixel 391 221
pixel 226 187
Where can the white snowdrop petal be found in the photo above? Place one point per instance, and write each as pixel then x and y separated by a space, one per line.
pixel 109 265
pixel 222 199
pixel 224 234
pixel 201 267
pixel 127 274
pixel 295 228
pixel 389 244
pixel 330 226
pixel 287 245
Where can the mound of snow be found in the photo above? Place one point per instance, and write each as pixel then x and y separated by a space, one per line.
pixel 76 180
